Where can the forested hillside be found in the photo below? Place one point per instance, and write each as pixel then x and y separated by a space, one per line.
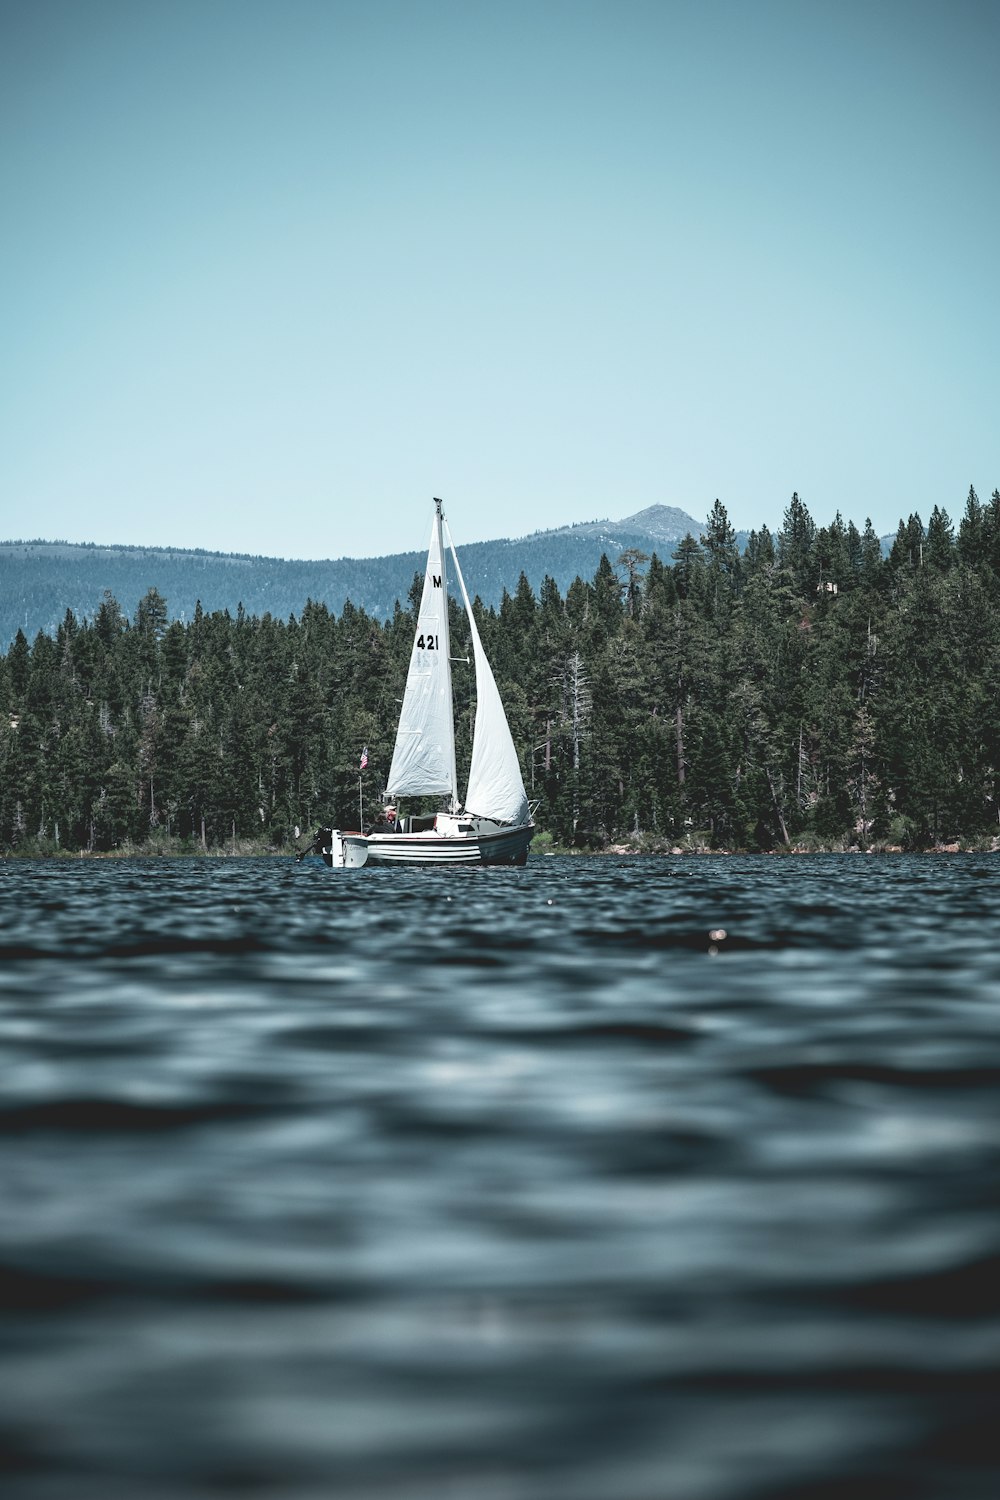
pixel 807 691
pixel 39 581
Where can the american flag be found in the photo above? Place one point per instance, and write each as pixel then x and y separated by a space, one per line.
pixel 364 758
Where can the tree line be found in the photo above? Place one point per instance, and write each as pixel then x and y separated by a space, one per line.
pixel 804 691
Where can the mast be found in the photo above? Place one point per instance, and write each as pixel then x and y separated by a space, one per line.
pixel 446 643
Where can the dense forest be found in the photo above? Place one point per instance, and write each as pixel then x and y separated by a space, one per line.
pixel 806 691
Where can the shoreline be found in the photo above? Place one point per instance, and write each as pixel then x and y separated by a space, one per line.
pixel 611 850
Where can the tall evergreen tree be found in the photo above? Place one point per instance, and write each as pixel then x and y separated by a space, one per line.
pixel 795 540
pixel 971 531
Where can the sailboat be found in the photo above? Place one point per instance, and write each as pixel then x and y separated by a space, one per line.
pixel 494 825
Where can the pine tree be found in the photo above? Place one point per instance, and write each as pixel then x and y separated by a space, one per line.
pixel 971 537
pixel 871 572
pixel 633 560
pixel 719 542
pixel 940 540
pixel 795 542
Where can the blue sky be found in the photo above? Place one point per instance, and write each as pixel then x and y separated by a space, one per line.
pixel 274 274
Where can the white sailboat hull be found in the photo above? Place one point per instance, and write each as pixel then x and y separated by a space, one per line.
pixel 500 846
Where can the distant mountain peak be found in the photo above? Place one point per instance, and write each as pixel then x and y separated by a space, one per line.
pixel 663 524
pixel 666 522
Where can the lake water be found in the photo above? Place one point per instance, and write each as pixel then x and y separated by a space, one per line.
pixel 501 1184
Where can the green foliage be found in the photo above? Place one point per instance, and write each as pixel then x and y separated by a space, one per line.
pixel 800 692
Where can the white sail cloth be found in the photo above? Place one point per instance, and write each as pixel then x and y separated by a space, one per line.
pixel 496 789
pixel 424 758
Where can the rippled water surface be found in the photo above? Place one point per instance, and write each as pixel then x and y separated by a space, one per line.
pixel 612 1179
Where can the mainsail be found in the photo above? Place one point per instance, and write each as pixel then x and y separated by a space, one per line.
pixel 424 758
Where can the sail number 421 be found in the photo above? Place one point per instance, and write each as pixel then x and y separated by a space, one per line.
pixel 427 643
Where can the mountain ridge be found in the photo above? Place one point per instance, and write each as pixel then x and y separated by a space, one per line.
pixel 40 580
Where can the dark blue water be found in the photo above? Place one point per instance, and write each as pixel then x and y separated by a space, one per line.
pixel 501 1184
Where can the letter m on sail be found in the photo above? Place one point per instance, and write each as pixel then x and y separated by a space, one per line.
pixel 436 578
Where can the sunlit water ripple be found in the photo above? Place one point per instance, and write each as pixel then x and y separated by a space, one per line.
pixel 504 1183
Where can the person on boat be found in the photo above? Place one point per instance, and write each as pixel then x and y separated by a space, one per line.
pixel 385 822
